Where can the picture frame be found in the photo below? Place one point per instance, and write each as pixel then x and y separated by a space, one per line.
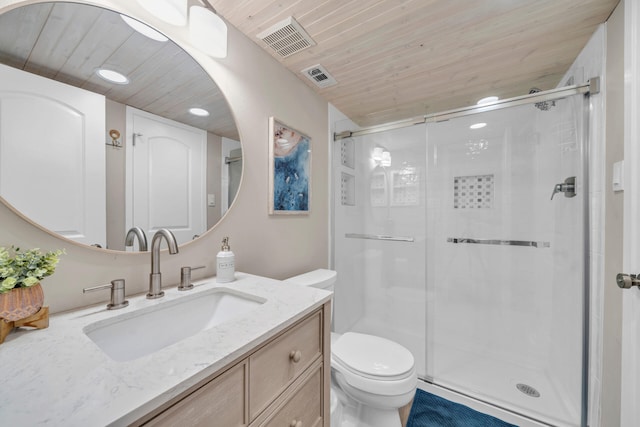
pixel 289 170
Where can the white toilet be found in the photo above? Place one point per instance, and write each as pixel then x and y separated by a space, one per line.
pixel 371 377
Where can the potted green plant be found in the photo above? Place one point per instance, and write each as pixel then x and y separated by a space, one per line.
pixel 20 274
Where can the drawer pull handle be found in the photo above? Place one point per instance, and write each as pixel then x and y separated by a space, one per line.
pixel 295 356
pixel 295 423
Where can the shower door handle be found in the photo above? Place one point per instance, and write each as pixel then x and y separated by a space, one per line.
pixel 626 281
pixel 568 187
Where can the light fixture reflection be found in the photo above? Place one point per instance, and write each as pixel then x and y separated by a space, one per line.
pixel 377 154
pixel 207 32
pixel 144 29
pixel 112 76
pixel 477 126
pixel 173 12
pixel 201 112
pixel 386 159
pixel 487 100
pixel 476 147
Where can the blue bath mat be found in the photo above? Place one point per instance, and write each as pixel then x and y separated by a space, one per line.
pixel 429 410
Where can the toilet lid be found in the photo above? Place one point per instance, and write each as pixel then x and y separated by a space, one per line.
pixel 372 355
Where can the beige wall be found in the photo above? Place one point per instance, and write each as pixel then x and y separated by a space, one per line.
pixel 257 87
pixel 116 118
pixel 214 177
pixel 612 318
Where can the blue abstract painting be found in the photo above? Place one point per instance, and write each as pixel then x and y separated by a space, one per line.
pixel 291 170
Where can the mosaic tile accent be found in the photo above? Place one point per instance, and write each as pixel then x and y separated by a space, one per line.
pixel 473 192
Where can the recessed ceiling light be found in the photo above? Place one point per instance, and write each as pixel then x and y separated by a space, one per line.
pixel 199 112
pixel 144 29
pixel 487 100
pixel 477 126
pixel 112 76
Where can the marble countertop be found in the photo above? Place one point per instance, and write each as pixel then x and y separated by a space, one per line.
pixel 58 376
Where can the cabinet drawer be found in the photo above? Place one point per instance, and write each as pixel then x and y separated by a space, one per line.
pixel 304 408
pixel 220 402
pixel 275 366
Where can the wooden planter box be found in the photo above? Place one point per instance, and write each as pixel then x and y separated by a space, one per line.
pixel 22 307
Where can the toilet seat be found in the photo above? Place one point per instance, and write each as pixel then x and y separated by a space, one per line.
pixel 374 364
pixel 372 356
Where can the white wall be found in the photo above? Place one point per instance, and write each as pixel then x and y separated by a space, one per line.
pixel 257 87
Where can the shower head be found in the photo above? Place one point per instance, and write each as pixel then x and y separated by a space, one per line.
pixel 544 105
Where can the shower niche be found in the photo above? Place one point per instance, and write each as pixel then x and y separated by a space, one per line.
pixel 347 189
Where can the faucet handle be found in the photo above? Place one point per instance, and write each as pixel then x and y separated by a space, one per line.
pixel 117 293
pixel 185 277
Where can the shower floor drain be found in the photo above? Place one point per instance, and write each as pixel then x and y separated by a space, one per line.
pixel 528 390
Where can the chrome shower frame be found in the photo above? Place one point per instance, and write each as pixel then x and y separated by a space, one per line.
pixel 592 87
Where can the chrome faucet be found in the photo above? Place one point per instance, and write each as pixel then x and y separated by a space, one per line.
pixel 142 238
pixel 185 277
pixel 155 278
pixel 117 293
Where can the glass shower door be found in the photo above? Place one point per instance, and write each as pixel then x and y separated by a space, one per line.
pixel 505 260
pixel 379 236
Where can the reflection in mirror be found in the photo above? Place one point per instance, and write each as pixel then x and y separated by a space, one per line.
pixel 90 158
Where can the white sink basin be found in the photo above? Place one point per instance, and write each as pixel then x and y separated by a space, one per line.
pixel 145 331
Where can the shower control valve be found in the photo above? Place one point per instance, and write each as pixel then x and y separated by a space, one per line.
pixel 568 187
pixel 626 281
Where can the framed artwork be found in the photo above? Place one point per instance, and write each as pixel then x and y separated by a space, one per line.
pixel 289 170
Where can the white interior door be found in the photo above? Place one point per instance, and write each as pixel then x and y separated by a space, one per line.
pixel 166 175
pixel 52 156
pixel 630 411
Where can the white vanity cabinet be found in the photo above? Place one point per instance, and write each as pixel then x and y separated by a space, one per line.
pixel 282 382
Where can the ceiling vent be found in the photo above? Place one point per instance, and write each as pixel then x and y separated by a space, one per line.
pixel 287 37
pixel 319 75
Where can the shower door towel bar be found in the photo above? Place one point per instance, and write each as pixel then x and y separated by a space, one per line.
pixel 379 237
pixel 499 242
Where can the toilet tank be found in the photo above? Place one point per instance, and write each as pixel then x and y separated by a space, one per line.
pixel 321 278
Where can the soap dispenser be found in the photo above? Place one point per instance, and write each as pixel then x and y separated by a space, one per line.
pixel 225 263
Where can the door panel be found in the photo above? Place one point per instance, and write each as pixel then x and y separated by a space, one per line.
pixel 165 176
pixel 630 378
pixel 506 261
pixel 52 156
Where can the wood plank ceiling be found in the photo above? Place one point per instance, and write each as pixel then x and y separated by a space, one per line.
pixel 397 59
pixel 68 42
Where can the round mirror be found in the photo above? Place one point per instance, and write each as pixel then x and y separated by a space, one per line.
pixel 107 127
